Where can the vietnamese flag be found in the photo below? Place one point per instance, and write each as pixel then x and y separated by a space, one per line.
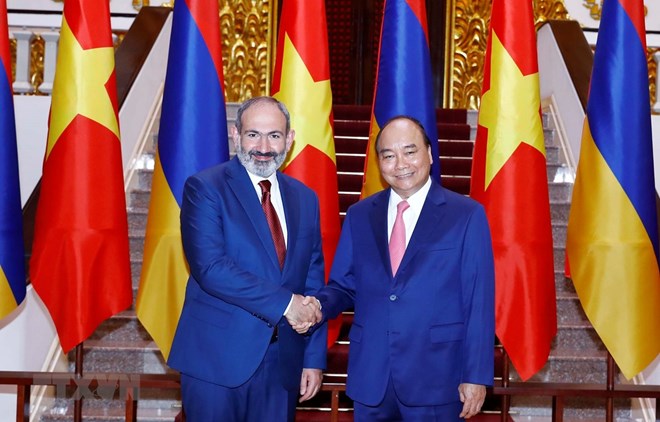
pixel 302 82
pixel 509 178
pixel 80 263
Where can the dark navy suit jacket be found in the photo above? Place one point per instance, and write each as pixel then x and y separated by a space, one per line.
pixel 237 293
pixel 432 326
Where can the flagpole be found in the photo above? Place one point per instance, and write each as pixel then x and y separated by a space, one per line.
pixel 77 398
pixel 505 383
pixel 609 410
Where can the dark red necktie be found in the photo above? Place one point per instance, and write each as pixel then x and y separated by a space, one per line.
pixel 273 221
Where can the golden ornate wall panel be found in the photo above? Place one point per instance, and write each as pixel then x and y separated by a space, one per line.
pixel 653 73
pixel 248 36
pixel 467 33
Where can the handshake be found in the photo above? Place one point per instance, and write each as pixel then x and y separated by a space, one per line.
pixel 304 312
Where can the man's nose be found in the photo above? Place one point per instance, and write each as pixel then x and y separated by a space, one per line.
pixel 262 144
pixel 400 162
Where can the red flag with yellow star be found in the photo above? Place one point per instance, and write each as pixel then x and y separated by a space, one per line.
pixel 80 261
pixel 509 178
pixel 302 82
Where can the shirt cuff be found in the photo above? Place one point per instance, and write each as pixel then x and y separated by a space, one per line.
pixel 288 306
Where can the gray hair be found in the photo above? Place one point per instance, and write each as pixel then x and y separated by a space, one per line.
pixel 258 100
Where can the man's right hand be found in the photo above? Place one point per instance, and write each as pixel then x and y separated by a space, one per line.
pixel 303 313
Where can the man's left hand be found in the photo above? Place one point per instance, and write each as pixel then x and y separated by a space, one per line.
pixel 310 383
pixel 472 396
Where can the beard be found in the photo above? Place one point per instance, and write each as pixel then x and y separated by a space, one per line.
pixel 260 168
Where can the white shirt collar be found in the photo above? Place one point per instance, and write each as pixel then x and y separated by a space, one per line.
pixel 416 200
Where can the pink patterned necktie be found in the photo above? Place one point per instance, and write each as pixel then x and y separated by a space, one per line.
pixel 398 237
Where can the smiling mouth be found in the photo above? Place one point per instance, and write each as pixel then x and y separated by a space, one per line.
pixel 403 176
pixel 263 156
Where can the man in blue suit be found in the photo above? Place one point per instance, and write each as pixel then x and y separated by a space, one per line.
pixel 252 240
pixel 415 262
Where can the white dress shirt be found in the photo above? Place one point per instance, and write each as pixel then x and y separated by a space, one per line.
pixel 275 198
pixel 411 215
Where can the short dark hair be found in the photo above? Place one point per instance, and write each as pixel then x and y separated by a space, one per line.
pixel 416 122
pixel 257 100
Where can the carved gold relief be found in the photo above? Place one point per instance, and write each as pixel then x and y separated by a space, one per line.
pixel 247 43
pixel 36 69
pixel 653 73
pixel 595 7
pixel 467 33
pixel 36 65
pixel 138 4
pixel 12 54
pixel 247 38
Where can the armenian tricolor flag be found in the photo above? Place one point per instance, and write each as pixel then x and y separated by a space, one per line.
pixel 192 137
pixel 403 82
pixel 612 239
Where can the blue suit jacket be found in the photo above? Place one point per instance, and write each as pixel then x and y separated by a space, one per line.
pixel 237 293
pixel 432 326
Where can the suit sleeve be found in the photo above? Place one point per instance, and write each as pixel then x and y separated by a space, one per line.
pixel 478 281
pixel 339 294
pixel 202 230
pixel 316 343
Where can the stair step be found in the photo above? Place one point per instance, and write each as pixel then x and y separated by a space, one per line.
pixel 137 219
pixel 569 310
pixel 576 337
pixel 572 365
pixel 559 211
pixel 576 409
pixel 111 410
pixel 139 198
pixel 137 356
pixel 563 284
pixel 559 235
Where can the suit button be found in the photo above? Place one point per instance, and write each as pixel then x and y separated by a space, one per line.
pixel 393 298
pixel 269 325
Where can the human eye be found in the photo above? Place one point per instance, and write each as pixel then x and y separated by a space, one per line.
pixel 274 136
pixel 251 135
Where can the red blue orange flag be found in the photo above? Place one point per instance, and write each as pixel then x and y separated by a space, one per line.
pixel 12 259
pixel 612 238
pixel 403 82
pixel 80 262
pixel 302 82
pixel 192 137
pixel 509 178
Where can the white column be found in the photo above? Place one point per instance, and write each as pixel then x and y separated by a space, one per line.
pixel 51 39
pixel 22 83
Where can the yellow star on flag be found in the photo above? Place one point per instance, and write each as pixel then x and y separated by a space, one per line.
pixel 79 86
pixel 309 112
pixel 509 110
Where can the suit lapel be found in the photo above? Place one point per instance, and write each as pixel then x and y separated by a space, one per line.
pixel 292 214
pixel 378 220
pixel 429 219
pixel 240 184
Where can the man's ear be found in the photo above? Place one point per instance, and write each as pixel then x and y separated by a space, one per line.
pixel 235 136
pixel 290 138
